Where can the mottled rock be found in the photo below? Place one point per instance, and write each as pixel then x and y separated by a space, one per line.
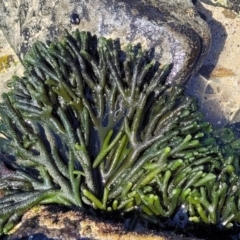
pixel 232 5
pixel 220 70
pixel 171 28
pixel 9 63
pixel 52 222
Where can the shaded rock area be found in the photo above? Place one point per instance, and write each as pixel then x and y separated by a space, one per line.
pixel 217 84
pixel 175 35
pixel 52 222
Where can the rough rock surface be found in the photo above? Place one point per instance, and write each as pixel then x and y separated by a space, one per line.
pixel 233 5
pixel 54 223
pixel 217 84
pixel 9 62
pixel 176 35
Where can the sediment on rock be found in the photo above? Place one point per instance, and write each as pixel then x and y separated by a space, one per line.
pixel 55 223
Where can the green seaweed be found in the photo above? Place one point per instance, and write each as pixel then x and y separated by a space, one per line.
pixel 92 126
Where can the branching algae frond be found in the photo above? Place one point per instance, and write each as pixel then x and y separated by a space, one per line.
pixel 90 125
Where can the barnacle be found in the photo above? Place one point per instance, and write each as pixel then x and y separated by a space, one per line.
pixel 92 126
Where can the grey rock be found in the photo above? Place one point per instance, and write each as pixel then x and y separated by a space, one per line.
pixel 172 29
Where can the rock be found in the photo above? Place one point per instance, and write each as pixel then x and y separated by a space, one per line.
pixel 232 5
pixel 52 222
pixel 217 84
pixel 171 28
pixel 9 63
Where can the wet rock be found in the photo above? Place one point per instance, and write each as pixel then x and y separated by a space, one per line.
pixel 173 29
pixel 52 222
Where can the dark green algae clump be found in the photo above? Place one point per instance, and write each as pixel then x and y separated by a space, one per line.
pixel 94 127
